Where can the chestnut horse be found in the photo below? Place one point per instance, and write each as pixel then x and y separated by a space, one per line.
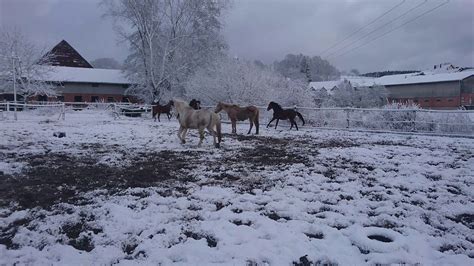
pixel 162 109
pixel 283 114
pixel 236 112
pixel 197 119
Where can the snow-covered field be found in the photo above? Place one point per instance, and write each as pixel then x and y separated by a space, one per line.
pixel 126 192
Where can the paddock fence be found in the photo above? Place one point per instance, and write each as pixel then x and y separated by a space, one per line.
pixel 32 111
pixel 442 122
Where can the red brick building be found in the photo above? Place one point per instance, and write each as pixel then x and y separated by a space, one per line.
pixel 432 91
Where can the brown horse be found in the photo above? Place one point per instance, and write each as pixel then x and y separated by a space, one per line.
pixel 162 109
pixel 236 112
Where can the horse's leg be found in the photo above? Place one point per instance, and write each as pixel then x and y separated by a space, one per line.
pixel 201 136
pixel 180 130
pixel 213 133
pixel 234 126
pixel 183 135
pixel 270 121
pixel 291 122
pixel 159 117
pixel 277 123
pixel 169 116
pixel 251 125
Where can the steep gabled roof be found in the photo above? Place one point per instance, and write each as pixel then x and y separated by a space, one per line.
pixel 63 54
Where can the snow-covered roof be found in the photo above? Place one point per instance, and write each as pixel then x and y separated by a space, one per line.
pixel 328 85
pixel 85 75
pixel 426 78
pixel 391 80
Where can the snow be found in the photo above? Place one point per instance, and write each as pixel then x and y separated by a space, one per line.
pixel 84 75
pixel 346 187
pixel 426 78
pixel 401 79
pixel 328 85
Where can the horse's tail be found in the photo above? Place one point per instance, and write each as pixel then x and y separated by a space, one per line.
pixel 300 116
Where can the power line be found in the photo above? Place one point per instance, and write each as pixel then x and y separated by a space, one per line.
pixel 396 28
pixel 381 27
pixel 363 27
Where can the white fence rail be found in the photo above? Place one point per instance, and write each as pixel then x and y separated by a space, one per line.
pixel 20 109
pixel 446 122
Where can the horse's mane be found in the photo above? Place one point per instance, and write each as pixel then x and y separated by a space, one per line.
pixel 276 105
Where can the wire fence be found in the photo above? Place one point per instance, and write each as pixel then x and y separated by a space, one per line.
pixel 446 122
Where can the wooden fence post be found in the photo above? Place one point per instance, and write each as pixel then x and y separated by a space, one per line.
pixel 348 117
pixel 414 121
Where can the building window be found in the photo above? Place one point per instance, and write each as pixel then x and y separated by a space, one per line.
pixel 125 86
pixel 60 98
pixel 78 98
pixel 95 85
pixel 438 100
pixel 415 100
pixel 125 100
pixel 450 99
pixel 427 100
pixel 110 99
pixel 94 99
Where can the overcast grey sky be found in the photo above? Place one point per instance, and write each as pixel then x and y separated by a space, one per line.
pixel 269 29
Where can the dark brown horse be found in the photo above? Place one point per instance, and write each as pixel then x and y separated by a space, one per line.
pixel 283 114
pixel 162 109
pixel 236 112
pixel 195 104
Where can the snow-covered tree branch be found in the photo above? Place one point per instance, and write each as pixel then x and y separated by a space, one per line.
pixel 167 40
pixel 22 59
pixel 241 82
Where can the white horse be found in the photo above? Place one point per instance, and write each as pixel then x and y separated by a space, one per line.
pixel 197 119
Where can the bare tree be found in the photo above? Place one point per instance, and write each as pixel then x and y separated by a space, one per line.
pixel 22 60
pixel 167 39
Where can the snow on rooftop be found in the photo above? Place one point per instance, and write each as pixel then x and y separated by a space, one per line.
pixel 328 85
pixel 79 74
pixel 390 80
pixel 423 78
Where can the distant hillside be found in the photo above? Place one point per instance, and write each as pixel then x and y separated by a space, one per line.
pixel 385 73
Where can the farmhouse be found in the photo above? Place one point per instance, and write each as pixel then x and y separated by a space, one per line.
pixel 78 81
pixel 431 90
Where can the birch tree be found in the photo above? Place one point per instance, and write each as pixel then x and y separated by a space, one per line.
pixel 167 40
pixel 23 59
